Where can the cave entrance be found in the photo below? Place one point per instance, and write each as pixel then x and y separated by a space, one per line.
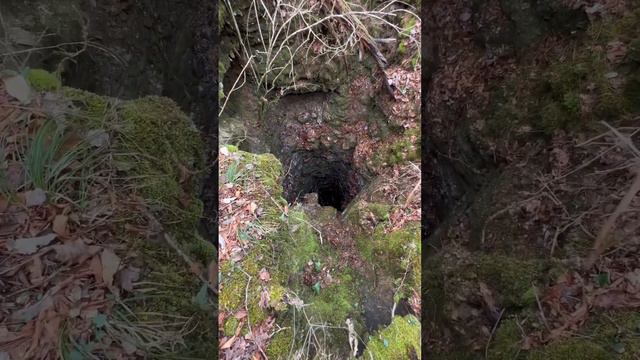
pixel 330 175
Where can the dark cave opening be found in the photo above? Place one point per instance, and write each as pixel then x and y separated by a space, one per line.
pixel 330 193
pixel 330 175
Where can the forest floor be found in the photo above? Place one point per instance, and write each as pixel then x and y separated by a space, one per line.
pixel 539 119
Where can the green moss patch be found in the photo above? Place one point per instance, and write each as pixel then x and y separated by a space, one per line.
pixel 43 80
pixel 512 277
pixel 389 249
pixel 402 149
pixel 507 341
pixel 605 336
pixel 400 340
pixel 280 345
pixel 571 350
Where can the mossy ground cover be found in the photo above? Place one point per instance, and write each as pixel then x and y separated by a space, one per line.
pixel 284 252
pixel 43 80
pixel 593 80
pixel 161 144
pixel 400 340
pixel 301 267
pixel 611 335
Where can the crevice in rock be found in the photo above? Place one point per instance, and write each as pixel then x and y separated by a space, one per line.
pixel 330 175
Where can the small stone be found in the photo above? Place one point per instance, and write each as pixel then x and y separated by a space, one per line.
pixel 35 197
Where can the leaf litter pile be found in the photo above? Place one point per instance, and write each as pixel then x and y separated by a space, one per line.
pixel 66 277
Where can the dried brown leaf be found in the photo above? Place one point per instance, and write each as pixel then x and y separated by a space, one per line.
pixel 127 277
pixel 489 299
pixel 240 314
pixel 35 271
pixel 96 268
pixel 110 263
pixel 4 204
pixel 17 86
pixel 75 251
pixel 60 225
pixel 229 343
pixel 35 197
pixel 28 246
pixel 616 51
pixel 129 348
pixel 264 299
pixel 264 275
pixel 616 299
pixel 30 312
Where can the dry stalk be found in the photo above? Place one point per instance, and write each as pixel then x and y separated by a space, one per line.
pixel 602 242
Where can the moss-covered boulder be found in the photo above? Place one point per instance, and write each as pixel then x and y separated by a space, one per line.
pixel 147 158
pixel 43 80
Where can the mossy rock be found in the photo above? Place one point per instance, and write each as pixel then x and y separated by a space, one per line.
pixel 240 291
pixel 95 109
pixel 156 126
pixel 604 336
pixel 155 139
pixel 338 302
pixel 398 341
pixel 43 80
pixel 358 210
pixel 299 241
pixel 293 243
pixel 399 151
pixel 326 214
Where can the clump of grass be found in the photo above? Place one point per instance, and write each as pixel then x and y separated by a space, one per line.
pixel 60 165
pixel 233 173
pixel 46 159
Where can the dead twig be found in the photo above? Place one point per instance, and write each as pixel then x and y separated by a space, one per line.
pixel 495 327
